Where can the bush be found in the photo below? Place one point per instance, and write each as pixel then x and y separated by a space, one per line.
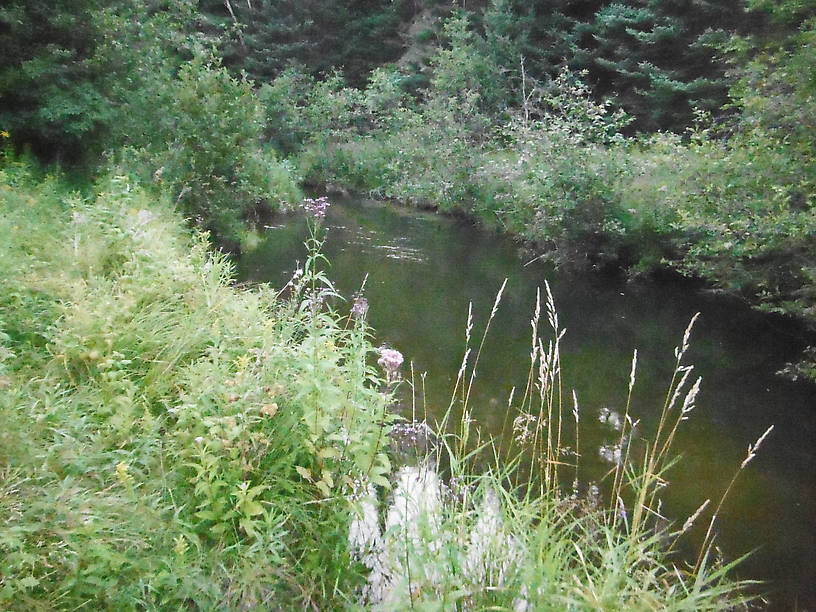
pixel 208 150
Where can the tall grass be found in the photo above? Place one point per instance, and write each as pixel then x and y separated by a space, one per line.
pixel 519 531
pixel 168 440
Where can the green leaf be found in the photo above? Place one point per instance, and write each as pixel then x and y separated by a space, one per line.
pixel 380 481
pixel 304 472
pixel 248 526
pixel 206 515
pixel 329 452
pixel 327 478
pixel 324 488
pixel 252 508
pixel 29 582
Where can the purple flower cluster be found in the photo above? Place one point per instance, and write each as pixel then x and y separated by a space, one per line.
pixel 390 360
pixel 316 207
pixel 412 440
pixel 359 308
pixel 412 432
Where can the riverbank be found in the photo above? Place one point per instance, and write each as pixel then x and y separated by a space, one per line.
pixel 736 214
pixel 168 440
pixel 171 440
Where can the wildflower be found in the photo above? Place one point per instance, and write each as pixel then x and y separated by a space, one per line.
pixel 621 509
pixel 199 440
pixel 5 134
pixel 413 438
pixel 316 207
pixel 359 308
pixel 390 360
pixel 316 300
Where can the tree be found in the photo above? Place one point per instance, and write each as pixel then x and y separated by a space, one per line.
pixel 776 85
pixel 53 95
pixel 264 37
pixel 657 58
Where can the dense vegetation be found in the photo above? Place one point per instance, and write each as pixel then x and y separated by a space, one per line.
pixel 159 426
pixel 500 111
pixel 172 441
pixel 729 200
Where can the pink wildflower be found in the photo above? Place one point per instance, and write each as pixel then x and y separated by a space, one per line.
pixel 316 207
pixel 390 360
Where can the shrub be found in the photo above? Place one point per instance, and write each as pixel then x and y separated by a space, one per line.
pixel 214 162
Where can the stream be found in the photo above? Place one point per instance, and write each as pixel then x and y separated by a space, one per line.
pixel 423 270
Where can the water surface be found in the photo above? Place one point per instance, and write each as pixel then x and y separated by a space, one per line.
pixel 424 270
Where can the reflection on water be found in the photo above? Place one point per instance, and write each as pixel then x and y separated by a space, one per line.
pixel 424 270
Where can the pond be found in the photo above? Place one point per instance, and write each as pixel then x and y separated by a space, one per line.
pixel 423 270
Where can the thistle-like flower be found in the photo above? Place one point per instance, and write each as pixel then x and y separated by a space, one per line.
pixel 316 207
pixel 359 308
pixel 390 360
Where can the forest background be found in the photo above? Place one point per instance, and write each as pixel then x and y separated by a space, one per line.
pixel 641 136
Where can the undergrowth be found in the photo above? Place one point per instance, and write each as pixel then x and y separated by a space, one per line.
pixel 169 440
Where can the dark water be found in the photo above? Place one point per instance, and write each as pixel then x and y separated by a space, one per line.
pixel 423 271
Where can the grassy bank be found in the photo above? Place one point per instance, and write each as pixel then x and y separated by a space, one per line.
pixel 168 440
pixel 172 441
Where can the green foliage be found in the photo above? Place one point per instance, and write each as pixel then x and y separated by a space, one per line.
pixel 783 11
pixel 159 447
pixel 176 442
pixel 171 441
pixel 52 82
pixel 214 163
pixel 777 87
pixel 264 38
pixel 558 172
pixel 546 161
pixel 657 58
pixel 300 110
pixel 120 74
pixel 462 74
pixel 540 32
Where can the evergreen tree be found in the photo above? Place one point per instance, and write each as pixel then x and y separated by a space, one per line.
pixel 52 93
pixel 539 32
pixel 657 57
pixel 264 37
